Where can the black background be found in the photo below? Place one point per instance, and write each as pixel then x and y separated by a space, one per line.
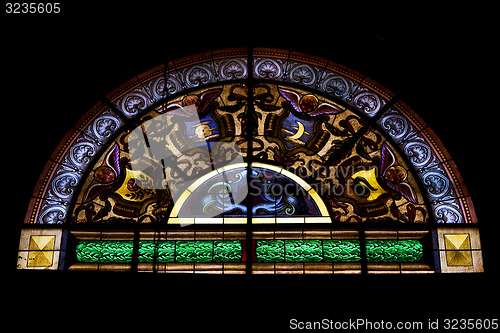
pixel 56 67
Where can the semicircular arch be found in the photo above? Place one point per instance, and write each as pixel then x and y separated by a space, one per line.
pixel 284 110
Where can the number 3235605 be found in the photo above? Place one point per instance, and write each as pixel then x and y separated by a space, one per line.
pixel 32 8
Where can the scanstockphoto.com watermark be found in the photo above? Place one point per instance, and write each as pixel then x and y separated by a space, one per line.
pixel 355 324
pixel 360 188
pixel 364 325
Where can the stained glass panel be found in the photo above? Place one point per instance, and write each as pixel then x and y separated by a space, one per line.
pixel 252 161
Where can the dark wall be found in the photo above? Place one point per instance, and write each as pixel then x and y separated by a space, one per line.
pixel 55 68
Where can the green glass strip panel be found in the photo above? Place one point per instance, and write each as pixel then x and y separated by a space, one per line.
pixel 104 251
pixel 152 251
pixel 160 251
pixel 270 250
pixel 194 251
pixel 227 251
pixel 393 250
pixel 303 251
pixel 290 250
pixel 337 250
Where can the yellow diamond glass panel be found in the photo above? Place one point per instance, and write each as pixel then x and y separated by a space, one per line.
pixel 41 251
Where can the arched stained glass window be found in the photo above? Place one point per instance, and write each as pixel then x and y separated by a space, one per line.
pixel 251 161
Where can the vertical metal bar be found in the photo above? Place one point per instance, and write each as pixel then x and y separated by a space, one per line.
pixel 249 126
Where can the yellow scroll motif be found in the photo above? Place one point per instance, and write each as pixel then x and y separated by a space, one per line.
pixel 368 178
pixel 134 187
